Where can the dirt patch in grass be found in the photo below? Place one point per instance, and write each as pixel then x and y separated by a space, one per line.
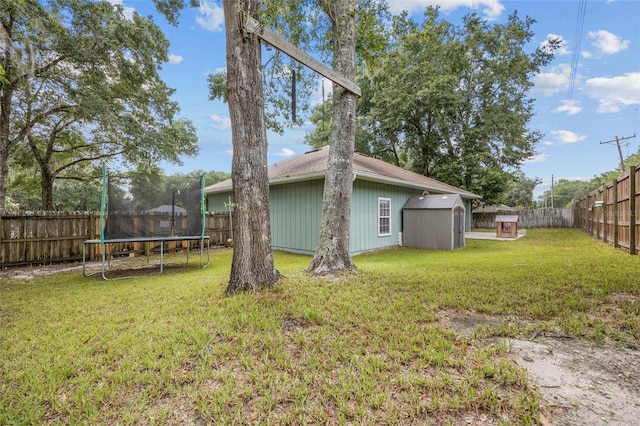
pixel 122 267
pixel 580 382
pixel 25 273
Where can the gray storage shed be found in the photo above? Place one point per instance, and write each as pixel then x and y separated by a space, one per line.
pixel 433 221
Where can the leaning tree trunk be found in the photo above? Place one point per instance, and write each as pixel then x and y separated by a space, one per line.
pixel 5 143
pixel 252 266
pixel 332 254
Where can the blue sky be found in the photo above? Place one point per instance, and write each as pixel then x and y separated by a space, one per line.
pixel 602 43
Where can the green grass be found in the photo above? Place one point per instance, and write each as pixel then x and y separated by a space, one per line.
pixel 365 349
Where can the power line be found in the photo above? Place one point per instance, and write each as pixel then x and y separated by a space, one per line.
pixel 582 8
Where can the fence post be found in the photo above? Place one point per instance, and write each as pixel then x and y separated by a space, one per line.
pixel 591 215
pixel 605 219
pixel 632 210
pixel 615 213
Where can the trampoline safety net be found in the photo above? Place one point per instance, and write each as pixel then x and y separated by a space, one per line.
pixel 154 214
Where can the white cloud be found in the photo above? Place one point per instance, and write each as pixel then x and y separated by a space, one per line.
pixel 174 59
pixel 614 93
pixel 586 54
pixel 571 107
pixel 219 122
pixel 492 9
pixel 565 136
pixel 126 11
pixel 285 152
pixel 607 42
pixel 548 143
pixel 538 158
pixel 563 50
pixel 210 16
pixel 228 151
pixel 554 81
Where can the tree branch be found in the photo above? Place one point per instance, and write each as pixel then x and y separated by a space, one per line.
pixel 86 159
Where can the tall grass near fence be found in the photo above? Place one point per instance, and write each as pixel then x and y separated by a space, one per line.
pixel 366 348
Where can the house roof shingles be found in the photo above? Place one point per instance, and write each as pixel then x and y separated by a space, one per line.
pixel 313 164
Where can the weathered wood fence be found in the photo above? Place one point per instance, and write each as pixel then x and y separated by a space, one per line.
pixel 535 218
pixel 30 238
pixel 610 212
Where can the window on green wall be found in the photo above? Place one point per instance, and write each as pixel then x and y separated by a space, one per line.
pixel 384 217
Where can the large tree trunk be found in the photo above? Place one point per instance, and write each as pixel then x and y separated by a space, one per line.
pixel 332 254
pixel 46 195
pixel 46 177
pixel 253 266
pixel 5 143
pixel 4 173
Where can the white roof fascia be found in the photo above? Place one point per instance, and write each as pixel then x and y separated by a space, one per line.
pixel 276 181
pixel 297 178
pixel 368 176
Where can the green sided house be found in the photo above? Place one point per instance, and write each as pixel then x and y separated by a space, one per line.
pixel 380 190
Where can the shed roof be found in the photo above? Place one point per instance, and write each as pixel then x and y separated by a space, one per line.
pixel 313 165
pixel 440 201
pixel 506 218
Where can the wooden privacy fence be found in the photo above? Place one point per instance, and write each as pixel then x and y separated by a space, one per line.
pixel 610 212
pixel 30 238
pixel 535 218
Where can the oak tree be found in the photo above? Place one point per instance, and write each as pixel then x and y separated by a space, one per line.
pixel 332 253
pixel 253 267
pixel 84 87
pixel 453 103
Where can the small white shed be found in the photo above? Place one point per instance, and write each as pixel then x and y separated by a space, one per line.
pixel 434 221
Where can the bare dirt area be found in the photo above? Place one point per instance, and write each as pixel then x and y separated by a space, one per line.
pixel 120 267
pixel 582 383
pixel 26 273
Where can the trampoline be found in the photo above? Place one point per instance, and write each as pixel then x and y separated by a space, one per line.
pixel 155 222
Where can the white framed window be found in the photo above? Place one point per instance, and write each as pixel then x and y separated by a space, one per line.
pixel 384 217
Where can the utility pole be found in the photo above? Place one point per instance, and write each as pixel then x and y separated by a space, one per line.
pixel 552 206
pixel 617 141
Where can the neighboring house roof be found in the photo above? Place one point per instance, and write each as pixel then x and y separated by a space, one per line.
pixel 313 165
pixel 494 209
pixel 167 208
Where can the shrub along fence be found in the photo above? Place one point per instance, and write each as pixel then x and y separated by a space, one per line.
pixel 610 212
pixel 535 218
pixel 31 238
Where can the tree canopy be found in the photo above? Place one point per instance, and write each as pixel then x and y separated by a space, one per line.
pixel 86 195
pixel 452 103
pixel 83 87
pixel 519 192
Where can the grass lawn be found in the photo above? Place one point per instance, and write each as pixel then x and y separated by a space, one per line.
pixel 365 349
